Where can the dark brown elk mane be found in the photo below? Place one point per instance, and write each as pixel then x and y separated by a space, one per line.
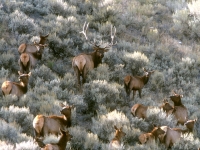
pixel 44 125
pixel 16 88
pixel 85 62
pixel 136 83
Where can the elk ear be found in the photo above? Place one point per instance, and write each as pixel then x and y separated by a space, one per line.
pixel 29 74
pixel 144 70
pixel 61 104
pixel 115 127
pixel 72 107
pixel 181 96
pixel 154 125
pixel 19 73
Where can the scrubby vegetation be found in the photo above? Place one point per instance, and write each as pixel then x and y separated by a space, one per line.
pixel 160 35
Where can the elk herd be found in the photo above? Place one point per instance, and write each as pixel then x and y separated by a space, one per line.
pixel 43 125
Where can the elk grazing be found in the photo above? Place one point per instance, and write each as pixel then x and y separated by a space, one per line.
pixel 36 48
pixel 45 125
pixel 61 145
pixel 171 135
pixel 181 112
pixel 136 83
pixel 115 144
pixel 16 88
pixel 149 137
pixel 83 63
pixel 139 110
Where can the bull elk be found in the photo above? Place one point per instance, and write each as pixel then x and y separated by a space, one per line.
pixel 139 110
pixel 36 48
pixel 16 88
pixel 136 83
pixel 181 112
pixel 44 125
pixel 115 143
pixel 146 138
pixel 61 145
pixel 83 63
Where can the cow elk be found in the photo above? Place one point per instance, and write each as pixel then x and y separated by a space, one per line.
pixel 61 145
pixel 139 110
pixel 136 83
pixel 115 143
pixel 167 107
pixel 190 125
pixel 171 135
pixel 147 138
pixel 181 112
pixel 27 62
pixel 16 88
pixel 36 48
pixel 45 125
pixel 83 63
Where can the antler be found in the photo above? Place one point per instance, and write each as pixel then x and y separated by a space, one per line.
pixel 85 27
pixel 112 37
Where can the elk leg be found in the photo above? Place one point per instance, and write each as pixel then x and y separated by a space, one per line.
pixel 134 92
pixel 77 73
pixel 140 91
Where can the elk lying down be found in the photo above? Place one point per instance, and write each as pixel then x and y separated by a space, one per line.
pixel 136 83
pixel 83 63
pixel 45 125
pixel 149 137
pixel 16 88
pixel 179 112
pixel 36 48
pixel 61 145
pixel 139 110
pixel 115 143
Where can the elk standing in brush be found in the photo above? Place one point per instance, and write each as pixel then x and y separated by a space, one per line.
pixel 36 48
pixel 83 63
pixel 139 110
pixel 45 125
pixel 16 88
pixel 136 83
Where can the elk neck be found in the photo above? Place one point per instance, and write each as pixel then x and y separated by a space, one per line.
pixel 95 59
pixel 68 120
pixel 145 79
pixel 63 141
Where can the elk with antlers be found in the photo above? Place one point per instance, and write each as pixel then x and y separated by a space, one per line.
pixel 136 83
pixel 16 88
pixel 36 48
pixel 83 63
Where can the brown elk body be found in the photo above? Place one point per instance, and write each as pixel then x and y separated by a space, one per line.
pixel 139 110
pixel 171 136
pixel 16 88
pixel 169 109
pixel 83 63
pixel 149 137
pixel 181 112
pixel 115 143
pixel 27 61
pixel 61 145
pixel 36 48
pixel 136 83
pixel 45 125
